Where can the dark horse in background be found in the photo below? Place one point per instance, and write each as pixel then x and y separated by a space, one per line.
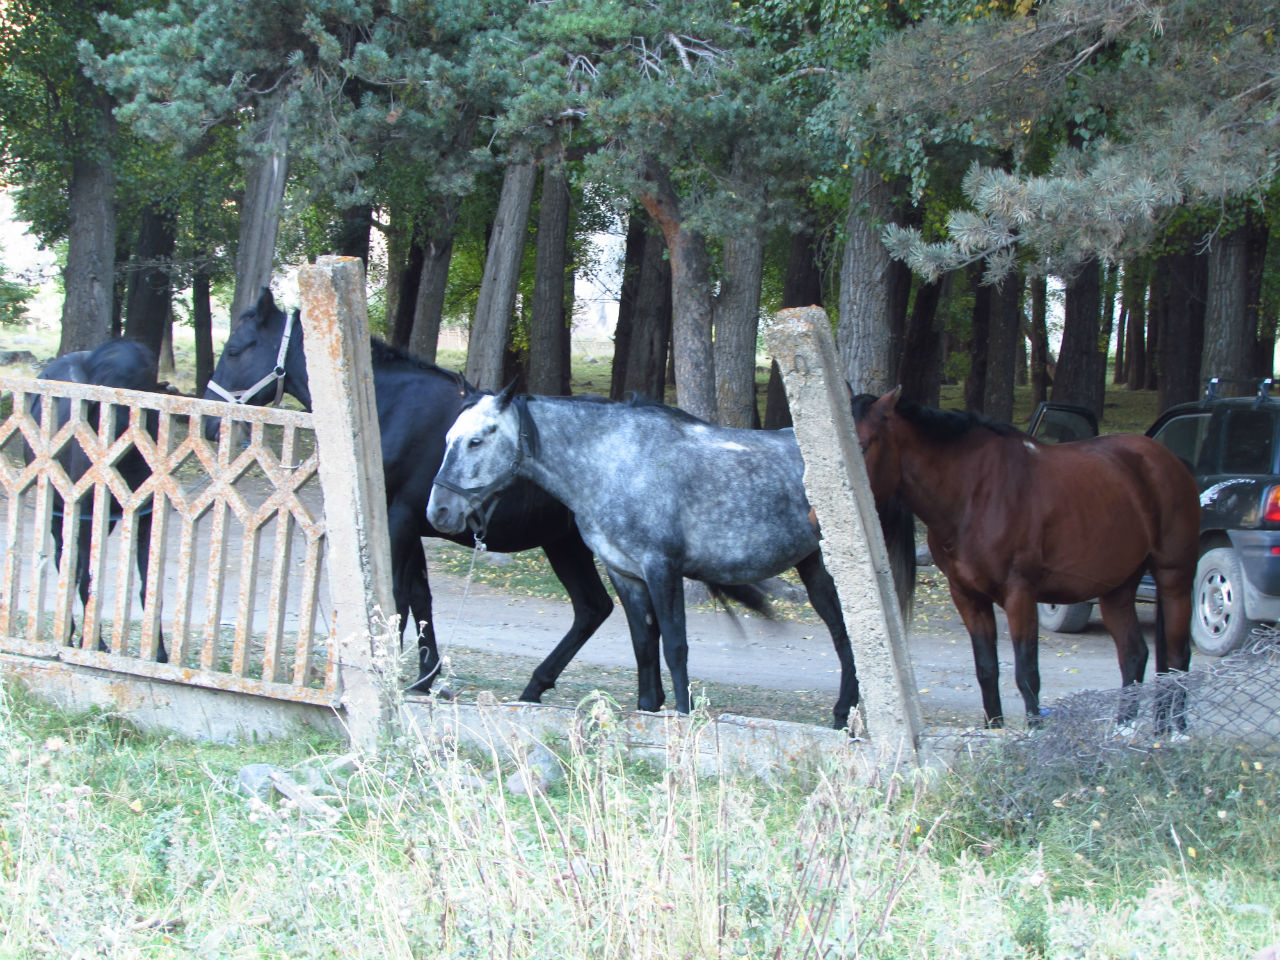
pixel 417 403
pixel 123 364
pixel 1014 522
pixel 659 495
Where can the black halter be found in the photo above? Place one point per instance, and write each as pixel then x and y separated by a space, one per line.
pixel 482 501
pixel 276 377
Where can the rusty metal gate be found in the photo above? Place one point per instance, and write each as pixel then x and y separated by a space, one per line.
pixel 233 592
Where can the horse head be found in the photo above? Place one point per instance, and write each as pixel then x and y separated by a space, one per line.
pixel 483 452
pixel 261 361
pixel 874 418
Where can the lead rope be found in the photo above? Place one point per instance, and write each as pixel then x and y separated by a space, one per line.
pixel 479 548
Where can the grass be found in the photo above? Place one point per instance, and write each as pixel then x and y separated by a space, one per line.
pixel 113 843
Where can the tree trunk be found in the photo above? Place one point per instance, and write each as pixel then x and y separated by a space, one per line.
pixel 645 373
pixel 690 297
pixel 1106 320
pixel 1133 296
pixel 202 322
pixel 1265 340
pixel 352 236
pixel 402 292
pixel 501 278
pixel 1228 337
pixel 266 173
pixel 1155 323
pixel 1002 348
pixel 864 334
pixel 920 369
pixel 632 262
pixel 147 309
pixel 1178 292
pixel 1079 377
pixel 89 277
pixel 437 251
pixel 548 327
pixel 975 381
pixel 737 320
pixel 801 287
pixel 1039 341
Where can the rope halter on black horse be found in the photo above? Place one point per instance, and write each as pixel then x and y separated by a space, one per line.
pixel 277 374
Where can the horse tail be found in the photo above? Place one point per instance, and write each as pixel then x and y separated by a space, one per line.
pixel 899 527
pixel 1162 641
pixel 750 595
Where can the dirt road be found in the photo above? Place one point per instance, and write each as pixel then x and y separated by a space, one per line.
pixel 781 668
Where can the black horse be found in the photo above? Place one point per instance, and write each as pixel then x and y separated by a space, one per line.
pixel 417 403
pixel 124 364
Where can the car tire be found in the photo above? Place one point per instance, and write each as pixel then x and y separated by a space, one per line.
pixel 1218 622
pixel 1064 617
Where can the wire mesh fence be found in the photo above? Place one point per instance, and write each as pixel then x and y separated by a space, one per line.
pixel 1232 706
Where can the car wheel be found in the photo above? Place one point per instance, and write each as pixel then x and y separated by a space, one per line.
pixel 1064 617
pixel 1218 623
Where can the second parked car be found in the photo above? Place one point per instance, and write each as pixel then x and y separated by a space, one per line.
pixel 1232 445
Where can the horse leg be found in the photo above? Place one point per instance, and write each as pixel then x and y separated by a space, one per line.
pixel 666 594
pixel 1024 631
pixel 979 618
pixel 1121 620
pixel 411 592
pixel 573 562
pixel 55 531
pixel 821 588
pixel 82 577
pixel 634 596
pixel 142 540
pixel 1173 645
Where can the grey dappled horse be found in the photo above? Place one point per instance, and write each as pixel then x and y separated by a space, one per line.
pixel 658 495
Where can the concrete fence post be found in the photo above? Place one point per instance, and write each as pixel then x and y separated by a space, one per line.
pixel 336 327
pixel 835 480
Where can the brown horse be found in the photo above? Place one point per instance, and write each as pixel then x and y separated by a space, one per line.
pixel 1015 522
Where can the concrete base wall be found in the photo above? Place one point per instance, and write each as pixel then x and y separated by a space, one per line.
pixel 726 745
pixel 217 716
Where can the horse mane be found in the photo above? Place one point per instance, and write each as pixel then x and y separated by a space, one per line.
pixel 640 401
pixel 938 425
pixel 381 352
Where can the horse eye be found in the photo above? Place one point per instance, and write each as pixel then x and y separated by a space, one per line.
pixel 233 351
pixel 475 441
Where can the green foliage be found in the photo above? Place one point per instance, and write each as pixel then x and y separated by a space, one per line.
pixel 1100 119
pixel 13 298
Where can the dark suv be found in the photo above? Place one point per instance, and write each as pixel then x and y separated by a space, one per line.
pixel 1232 445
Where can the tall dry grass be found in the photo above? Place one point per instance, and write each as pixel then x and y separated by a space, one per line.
pixel 114 844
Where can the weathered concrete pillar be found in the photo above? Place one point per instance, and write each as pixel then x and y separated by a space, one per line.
pixel 336 328
pixel 835 479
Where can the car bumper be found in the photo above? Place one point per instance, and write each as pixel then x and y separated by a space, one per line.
pixel 1259 553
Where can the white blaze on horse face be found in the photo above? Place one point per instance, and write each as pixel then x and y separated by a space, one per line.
pixel 480 444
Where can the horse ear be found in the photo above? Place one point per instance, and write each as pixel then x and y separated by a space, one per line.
pixel 504 397
pixel 266 303
pixel 894 396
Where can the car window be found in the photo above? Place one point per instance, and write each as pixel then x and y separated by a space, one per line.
pixel 1247 441
pixel 1185 435
pixel 1063 426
